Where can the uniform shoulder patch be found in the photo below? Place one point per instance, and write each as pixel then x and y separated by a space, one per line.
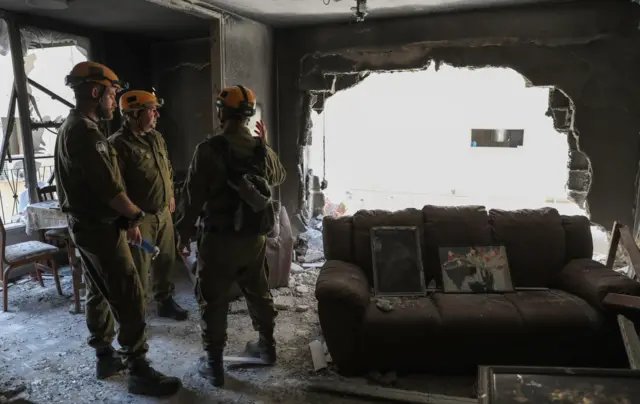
pixel 102 147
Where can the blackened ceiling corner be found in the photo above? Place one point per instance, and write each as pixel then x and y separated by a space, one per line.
pixel 126 16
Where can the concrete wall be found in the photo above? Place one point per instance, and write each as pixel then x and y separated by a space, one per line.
pixel 589 50
pixel 182 76
pixel 249 61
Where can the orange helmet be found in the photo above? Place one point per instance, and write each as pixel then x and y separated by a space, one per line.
pixel 237 100
pixel 92 72
pixel 136 100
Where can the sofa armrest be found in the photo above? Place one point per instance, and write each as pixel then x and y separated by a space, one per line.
pixel 343 295
pixel 592 281
pixel 345 283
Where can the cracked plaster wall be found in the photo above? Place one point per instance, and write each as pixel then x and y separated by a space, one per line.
pixel 589 51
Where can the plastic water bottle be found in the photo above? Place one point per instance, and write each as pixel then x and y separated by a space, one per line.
pixel 150 248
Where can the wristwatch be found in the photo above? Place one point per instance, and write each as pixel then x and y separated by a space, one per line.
pixel 136 219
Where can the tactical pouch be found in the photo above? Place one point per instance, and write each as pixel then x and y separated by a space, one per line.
pixel 254 211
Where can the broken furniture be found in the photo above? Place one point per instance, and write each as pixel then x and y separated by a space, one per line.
pixel 554 318
pixel 509 384
pixel 26 253
pixel 627 309
pixel 621 237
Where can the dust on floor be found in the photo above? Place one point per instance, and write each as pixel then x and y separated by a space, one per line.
pixel 44 357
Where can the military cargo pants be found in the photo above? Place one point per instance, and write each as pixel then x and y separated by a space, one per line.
pixel 223 259
pixel 114 290
pixel 158 230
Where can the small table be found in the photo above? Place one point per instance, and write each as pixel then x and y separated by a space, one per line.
pixel 44 216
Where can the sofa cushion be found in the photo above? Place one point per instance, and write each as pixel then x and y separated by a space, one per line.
pixel 554 310
pixel 477 313
pixel 364 220
pixel 401 338
pixel 560 325
pixel 578 237
pixel 337 238
pixel 535 243
pixel 451 226
pixel 413 318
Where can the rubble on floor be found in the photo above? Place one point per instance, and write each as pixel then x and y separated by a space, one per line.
pixel 46 360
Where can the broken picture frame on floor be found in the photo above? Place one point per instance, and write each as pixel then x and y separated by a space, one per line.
pixel 397 261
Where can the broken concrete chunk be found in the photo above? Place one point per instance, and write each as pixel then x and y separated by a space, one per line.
pixel 384 305
pixel 283 302
pixel 302 308
pixel 284 291
pixel 317 356
pixel 296 269
pixel 238 307
pixel 275 292
pixel 302 289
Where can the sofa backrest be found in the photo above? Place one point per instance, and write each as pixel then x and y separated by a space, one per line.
pixel 538 242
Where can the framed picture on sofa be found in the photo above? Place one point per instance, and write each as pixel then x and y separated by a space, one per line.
pixel 397 261
pixel 516 385
pixel 475 269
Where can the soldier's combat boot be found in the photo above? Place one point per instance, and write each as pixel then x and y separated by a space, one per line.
pixel 108 363
pixel 264 348
pixel 170 309
pixel 146 381
pixel 210 367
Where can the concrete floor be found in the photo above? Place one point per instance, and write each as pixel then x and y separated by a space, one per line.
pixel 43 351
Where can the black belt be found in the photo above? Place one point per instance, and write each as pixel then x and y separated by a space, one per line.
pixel 156 213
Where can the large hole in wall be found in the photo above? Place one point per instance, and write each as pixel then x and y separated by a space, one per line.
pixel 446 136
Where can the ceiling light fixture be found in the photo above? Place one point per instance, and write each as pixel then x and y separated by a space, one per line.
pixel 48 4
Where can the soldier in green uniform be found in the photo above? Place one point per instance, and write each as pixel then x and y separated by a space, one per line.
pixel 101 221
pixel 144 163
pixel 225 169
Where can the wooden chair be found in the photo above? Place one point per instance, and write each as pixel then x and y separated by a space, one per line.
pixel 62 238
pixel 28 252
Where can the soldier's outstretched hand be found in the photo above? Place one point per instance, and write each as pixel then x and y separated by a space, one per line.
pixel 261 130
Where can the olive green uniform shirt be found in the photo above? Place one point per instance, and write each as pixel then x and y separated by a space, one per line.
pixel 86 169
pixel 145 167
pixel 207 176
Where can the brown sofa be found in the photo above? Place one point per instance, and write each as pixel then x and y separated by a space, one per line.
pixel 564 325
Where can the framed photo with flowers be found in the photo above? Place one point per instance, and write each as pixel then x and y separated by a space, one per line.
pixel 475 269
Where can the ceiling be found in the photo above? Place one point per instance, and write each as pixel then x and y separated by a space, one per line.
pixel 162 18
pixel 288 12
pixel 135 16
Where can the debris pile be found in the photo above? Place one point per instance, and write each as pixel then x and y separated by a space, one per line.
pixel 308 246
